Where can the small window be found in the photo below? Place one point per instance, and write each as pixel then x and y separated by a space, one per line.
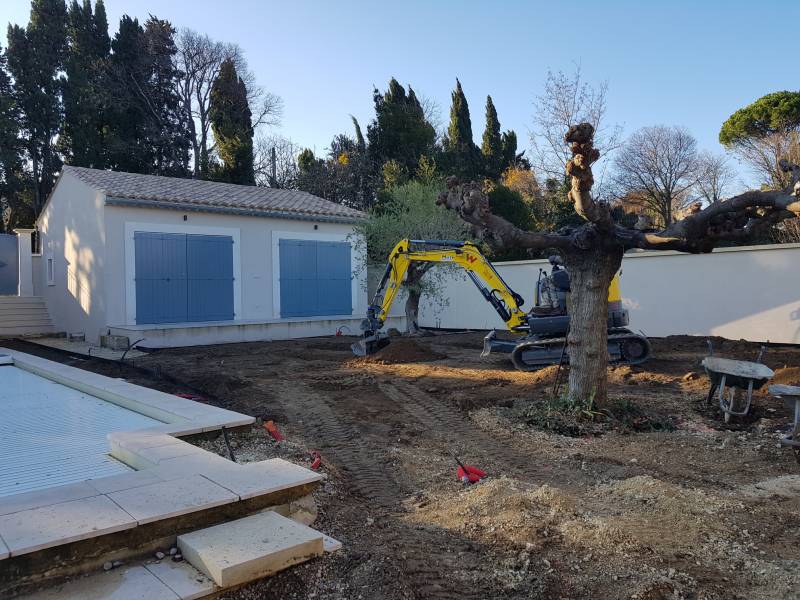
pixel 51 277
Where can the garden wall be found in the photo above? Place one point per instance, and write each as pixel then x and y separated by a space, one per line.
pixel 750 293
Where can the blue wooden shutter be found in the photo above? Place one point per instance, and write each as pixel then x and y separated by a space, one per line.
pixel 209 261
pixel 315 278
pixel 334 283
pixel 160 277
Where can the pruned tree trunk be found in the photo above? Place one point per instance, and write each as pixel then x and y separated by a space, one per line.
pixel 413 287
pixel 412 310
pixel 591 273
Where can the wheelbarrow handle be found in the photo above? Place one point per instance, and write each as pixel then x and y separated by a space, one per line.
pixel 761 352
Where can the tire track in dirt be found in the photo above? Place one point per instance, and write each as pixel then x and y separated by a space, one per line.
pixel 437 415
pixel 429 559
pixel 336 436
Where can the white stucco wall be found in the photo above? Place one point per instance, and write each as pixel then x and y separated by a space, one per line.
pixel 256 297
pixel 73 234
pixel 748 293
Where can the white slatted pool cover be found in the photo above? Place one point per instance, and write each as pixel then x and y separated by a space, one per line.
pixel 51 434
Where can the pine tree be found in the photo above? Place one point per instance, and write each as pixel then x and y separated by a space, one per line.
pixel 232 126
pixel 492 146
pixel 400 131
pixel 35 59
pixel 83 136
pixel 462 156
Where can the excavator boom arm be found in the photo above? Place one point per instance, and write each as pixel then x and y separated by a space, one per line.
pixel 466 255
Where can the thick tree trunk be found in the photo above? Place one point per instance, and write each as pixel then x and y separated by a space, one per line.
pixel 590 273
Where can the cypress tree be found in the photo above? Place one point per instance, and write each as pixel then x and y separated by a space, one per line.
pixel 35 60
pixel 461 154
pixel 12 213
pixel 147 128
pixel 83 135
pixel 400 131
pixel 509 149
pixel 492 146
pixel 232 126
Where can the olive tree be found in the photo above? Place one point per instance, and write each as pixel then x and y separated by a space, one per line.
pixel 593 250
pixel 408 213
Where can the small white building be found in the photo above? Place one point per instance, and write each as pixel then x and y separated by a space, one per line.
pixel 183 262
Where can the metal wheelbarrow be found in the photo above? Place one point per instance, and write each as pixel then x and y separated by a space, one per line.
pixel 729 377
pixel 790 394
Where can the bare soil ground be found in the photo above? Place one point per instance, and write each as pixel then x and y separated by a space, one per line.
pixel 651 497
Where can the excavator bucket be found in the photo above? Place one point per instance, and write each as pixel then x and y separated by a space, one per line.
pixel 369 344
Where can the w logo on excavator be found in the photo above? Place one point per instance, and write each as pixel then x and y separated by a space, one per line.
pixel 471 259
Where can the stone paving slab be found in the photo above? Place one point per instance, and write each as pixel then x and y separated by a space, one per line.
pixel 125 481
pixel 127 583
pixel 46 497
pixel 31 530
pixel 264 477
pixel 173 498
pixel 250 548
pixel 182 578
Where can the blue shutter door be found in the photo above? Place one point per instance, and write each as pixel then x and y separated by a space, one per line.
pixel 160 277
pixel 334 284
pixel 210 277
pixel 183 278
pixel 315 278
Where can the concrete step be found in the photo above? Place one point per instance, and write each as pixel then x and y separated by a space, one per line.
pixel 13 331
pixel 21 311
pixel 38 315
pixel 19 300
pixel 250 548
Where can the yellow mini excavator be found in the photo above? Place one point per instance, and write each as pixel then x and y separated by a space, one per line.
pixel 542 331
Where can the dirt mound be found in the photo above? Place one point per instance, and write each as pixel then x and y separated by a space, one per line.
pixel 786 376
pixel 500 510
pixel 403 351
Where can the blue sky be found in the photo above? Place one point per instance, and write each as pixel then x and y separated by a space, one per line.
pixel 676 62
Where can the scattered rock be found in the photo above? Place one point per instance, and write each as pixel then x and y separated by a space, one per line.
pixel 691 376
pixel 177 558
pixel 159 555
pixel 117 563
pixel 173 551
pixel 107 566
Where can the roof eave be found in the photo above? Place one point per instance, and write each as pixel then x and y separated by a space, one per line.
pixel 230 210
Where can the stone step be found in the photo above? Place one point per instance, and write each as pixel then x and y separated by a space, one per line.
pixel 250 548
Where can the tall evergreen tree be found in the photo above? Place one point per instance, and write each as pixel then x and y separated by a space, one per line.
pixel 168 132
pixel 462 156
pixel 492 146
pixel 83 136
pixel 400 130
pixel 232 126
pixel 35 59
pixel 509 149
pixel 148 132
pixel 13 211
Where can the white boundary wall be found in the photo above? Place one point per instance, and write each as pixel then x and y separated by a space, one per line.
pixel 750 293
